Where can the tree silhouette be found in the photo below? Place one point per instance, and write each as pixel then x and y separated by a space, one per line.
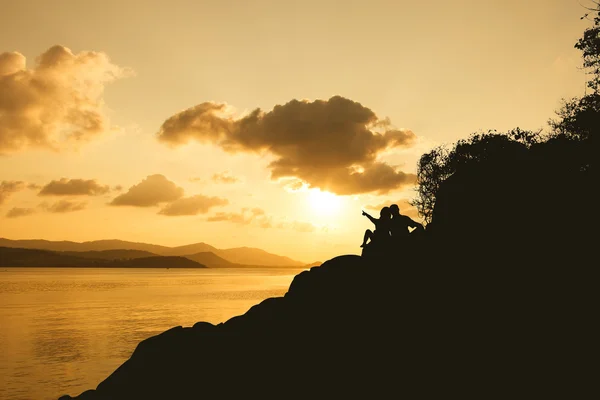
pixel 569 143
pixel 442 162
pixel 589 44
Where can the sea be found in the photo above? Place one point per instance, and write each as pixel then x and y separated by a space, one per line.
pixel 64 330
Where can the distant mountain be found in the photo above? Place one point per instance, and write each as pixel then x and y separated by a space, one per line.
pixel 96 245
pixel 42 245
pixel 239 255
pixel 253 256
pixel 110 254
pixel 114 244
pixel 19 257
pixel 190 249
pixel 313 264
pixel 160 262
pixel 211 260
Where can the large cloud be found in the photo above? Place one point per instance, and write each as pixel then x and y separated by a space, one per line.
pixel 330 144
pixel 73 187
pixel 152 191
pixel 58 100
pixel 193 205
pixel 9 187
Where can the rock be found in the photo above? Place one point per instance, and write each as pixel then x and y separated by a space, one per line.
pixel 495 298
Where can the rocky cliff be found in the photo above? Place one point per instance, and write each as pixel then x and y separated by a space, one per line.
pixel 496 298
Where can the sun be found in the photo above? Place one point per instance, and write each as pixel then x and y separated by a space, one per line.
pixel 324 203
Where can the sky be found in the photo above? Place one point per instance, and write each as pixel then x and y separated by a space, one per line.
pixel 267 124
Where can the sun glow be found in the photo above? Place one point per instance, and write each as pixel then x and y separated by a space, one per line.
pixel 324 203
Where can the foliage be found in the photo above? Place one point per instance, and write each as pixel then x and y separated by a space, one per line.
pixel 568 144
pixel 579 118
pixel 440 163
pixel 589 44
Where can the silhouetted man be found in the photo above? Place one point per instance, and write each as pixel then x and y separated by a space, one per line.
pixel 400 224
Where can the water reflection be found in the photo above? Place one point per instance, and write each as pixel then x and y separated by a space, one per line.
pixel 60 345
pixel 65 330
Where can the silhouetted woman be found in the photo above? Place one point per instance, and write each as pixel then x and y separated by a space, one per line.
pixel 382 227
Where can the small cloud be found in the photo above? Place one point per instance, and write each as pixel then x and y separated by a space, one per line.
pixel 16 212
pixel 258 217
pixel 34 186
pixel 152 191
pixel 245 217
pixel 224 177
pixel 7 188
pixel 195 179
pixel 63 206
pixel 265 224
pixel 118 188
pixel 257 211
pixel 298 226
pixel 293 185
pixel 73 187
pixel 193 205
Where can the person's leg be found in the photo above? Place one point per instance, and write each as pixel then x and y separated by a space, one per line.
pixel 368 235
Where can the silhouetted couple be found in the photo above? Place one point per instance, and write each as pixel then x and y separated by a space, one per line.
pixel 391 228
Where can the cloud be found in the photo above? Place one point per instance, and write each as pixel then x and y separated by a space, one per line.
pixel 225 177
pixel 245 217
pixel 330 144
pixel 152 191
pixel 73 187
pixel 63 206
pixel 16 212
pixel 298 226
pixel 57 101
pixel 293 185
pixel 405 207
pixel 7 188
pixel 258 217
pixel 34 186
pixel 193 205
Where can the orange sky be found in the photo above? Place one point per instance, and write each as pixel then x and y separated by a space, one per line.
pixel 186 121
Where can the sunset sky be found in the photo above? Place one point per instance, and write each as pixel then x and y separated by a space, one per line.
pixel 268 124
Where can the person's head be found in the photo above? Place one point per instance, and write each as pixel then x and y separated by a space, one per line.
pixel 385 213
pixel 395 210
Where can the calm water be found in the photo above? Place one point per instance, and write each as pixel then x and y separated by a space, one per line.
pixel 64 330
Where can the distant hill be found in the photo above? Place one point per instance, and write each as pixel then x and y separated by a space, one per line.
pixel 110 254
pixel 253 256
pixel 239 255
pixel 313 264
pixel 42 245
pixel 19 257
pixel 160 262
pixel 190 249
pixel 114 244
pixel 210 259
pixel 96 245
